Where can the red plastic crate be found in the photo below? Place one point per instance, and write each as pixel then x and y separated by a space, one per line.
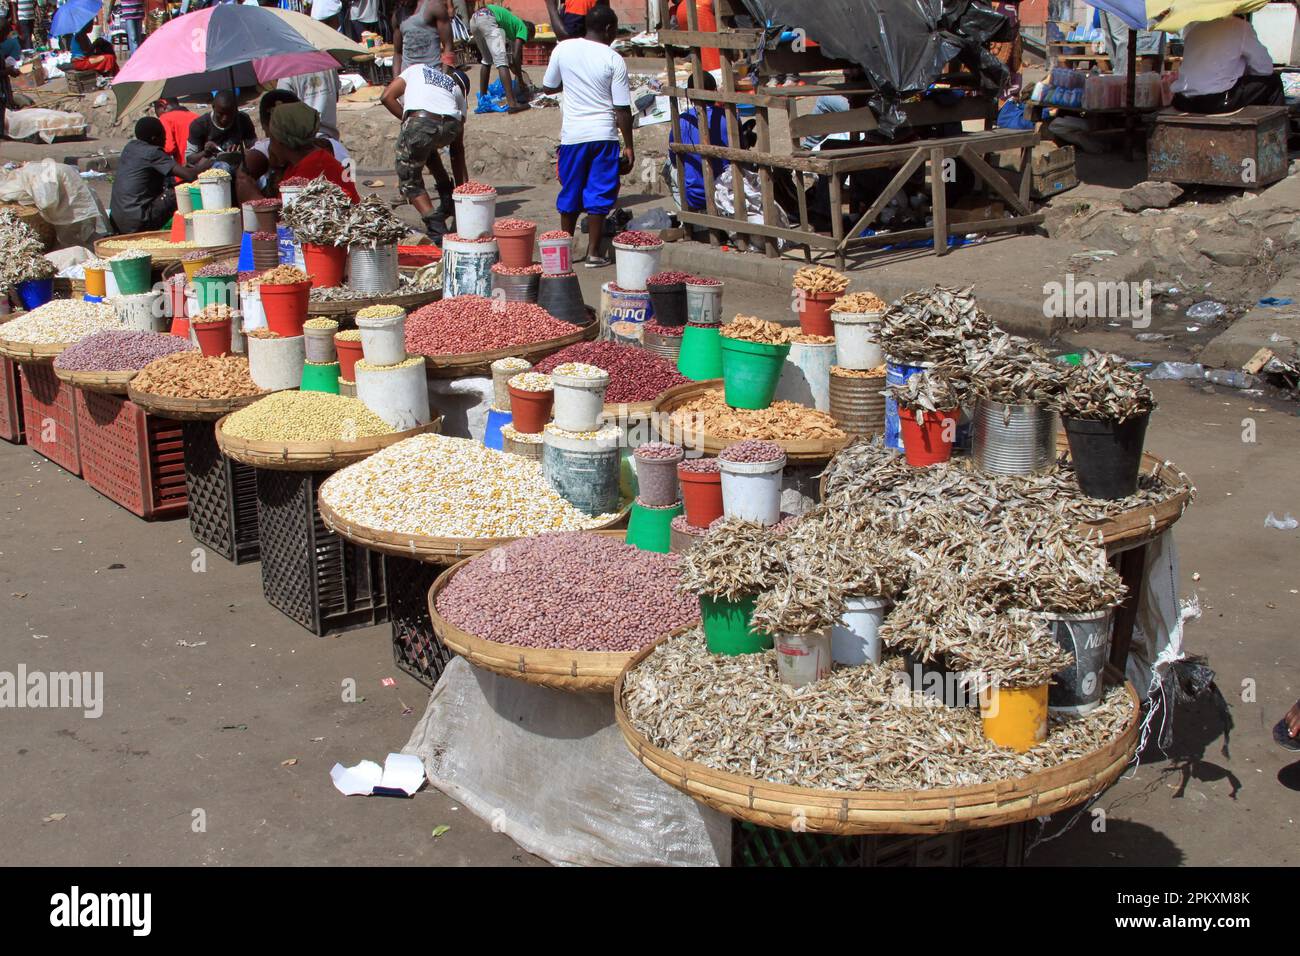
pixel 134 459
pixel 11 402
pixel 50 416
pixel 537 54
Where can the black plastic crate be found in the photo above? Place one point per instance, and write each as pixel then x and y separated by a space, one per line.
pixel 416 649
pixel 762 846
pixel 309 573
pixel 223 497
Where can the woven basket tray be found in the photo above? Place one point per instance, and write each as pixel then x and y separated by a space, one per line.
pixel 674 398
pixel 570 670
pixel 33 354
pixel 310 456
pixel 349 308
pixel 190 409
pixel 161 257
pixel 111 383
pixel 478 363
pixel 861 812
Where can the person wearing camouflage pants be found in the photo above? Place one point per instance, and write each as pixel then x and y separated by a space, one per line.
pixel 433 116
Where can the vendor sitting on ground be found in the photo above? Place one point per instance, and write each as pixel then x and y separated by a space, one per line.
pixel 96 57
pixel 1224 68
pixel 257 158
pixel 295 152
pixel 432 112
pixel 224 130
pixel 142 199
pixel 688 132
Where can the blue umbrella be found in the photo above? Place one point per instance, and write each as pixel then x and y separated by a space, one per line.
pixel 74 15
pixel 1132 12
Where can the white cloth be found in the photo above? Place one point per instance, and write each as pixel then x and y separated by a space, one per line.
pixel 594 80
pixel 433 91
pixel 320 91
pixel 365 11
pixel 1216 55
pixel 324 9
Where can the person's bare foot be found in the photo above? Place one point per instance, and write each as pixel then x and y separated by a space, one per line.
pixel 1292 719
pixel 1287 731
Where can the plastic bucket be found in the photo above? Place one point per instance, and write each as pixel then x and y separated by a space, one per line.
pixel 803 658
pixel 726 627
pixel 176 231
pixel 325 264
pixel 192 266
pixel 930 441
pixel 815 312
pixel 373 268
pixel 1013 439
pixel 140 313
pixel 556 255
pixel 633 265
pixel 496 420
pixel 857 339
pixel 196 197
pixel 806 375
pixel 94 283
pixel 248 215
pixel 133 276
pixel 276 364
pixel 266 254
pixel 896 373
pixel 214 337
pixel 516 288
pixel 220 227
pixel 561 295
pixel 1078 688
pixel 751 491
pixel 704 304
pixel 347 389
pixel 217 290
pixel 857 405
pixel 285 307
pixel 700 358
pixel 184 201
pixel 1107 455
pixel 530 411
pixel 515 245
pixel 750 371
pixel 467 267
pixel 246 252
pixel 650 529
pixel 668 303
pixel 517 443
pixel 349 352
pixel 503 370
pixel 1014 717
pixel 475 214
pixel 323 377
pixel 34 293
pixel 856 638
pixel 215 192
pixel 250 304
pixel 583 471
pixel 289 195
pixel 578 401
pixel 383 340
pixel 397 394
pixel 656 479
pixel 319 344
pixel 701 496
pixel 189 227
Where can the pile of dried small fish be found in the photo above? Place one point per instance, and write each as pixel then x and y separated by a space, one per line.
pixel 1103 387
pixel 938 325
pixel 858 551
pixel 426 280
pixel 798 602
pixel 937 389
pixel 861 728
pixel 736 559
pixel 320 214
pixel 371 223
pixel 24 253
pixel 1013 371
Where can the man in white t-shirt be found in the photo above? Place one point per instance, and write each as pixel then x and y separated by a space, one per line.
pixel 320 91
pixel 432 109
pixel 1224 68
pixel 596 109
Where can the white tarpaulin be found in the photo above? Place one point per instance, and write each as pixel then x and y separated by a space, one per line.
pixel 57 190
pixel 48 125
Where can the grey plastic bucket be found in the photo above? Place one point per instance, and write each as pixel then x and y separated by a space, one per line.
pixel 1013 439
pixel 372 269
pixel 585 472
pixel 1078 688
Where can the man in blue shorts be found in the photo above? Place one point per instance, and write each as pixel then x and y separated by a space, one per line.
pixel 596 109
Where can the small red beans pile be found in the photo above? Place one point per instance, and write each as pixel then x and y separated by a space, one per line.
pixel 700 466
pixel 472 323
pixel 473 188
pixel 704 280
pixel 658 451
pixel 264 237
pixel 457 237
pixel 114 351
pixel 510 224
pixel 669 278
pixel 634 237
pixel 295 181
pixel 574 591
pixel 753 450
pixel 657 329
pixel 533 270
pixel 555 234
pixel 635 374
pixel 682 526
pixel 267 203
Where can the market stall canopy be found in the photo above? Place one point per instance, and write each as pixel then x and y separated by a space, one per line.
pixel 229 45
pixel 1132 12
pixel 73 15
pixel 1172 15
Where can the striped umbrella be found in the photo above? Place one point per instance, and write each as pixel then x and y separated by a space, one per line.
pixel 226 46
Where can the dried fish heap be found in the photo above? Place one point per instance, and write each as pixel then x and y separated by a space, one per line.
pixel 735 560
pixel 938 325
pixel 1014 371
pixel 371 223
pixel 1103 388
pixel 320 214
pixel 24 256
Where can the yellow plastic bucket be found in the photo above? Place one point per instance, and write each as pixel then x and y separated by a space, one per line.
pixel 192 266
pixel 1015 717
pixel 95 284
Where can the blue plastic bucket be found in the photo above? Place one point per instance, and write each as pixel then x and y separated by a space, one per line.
pixel 34 293
pixel 896 373
pixel 492 434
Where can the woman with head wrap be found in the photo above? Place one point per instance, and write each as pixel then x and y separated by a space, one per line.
pixel 296 152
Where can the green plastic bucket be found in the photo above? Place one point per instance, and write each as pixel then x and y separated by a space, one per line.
pixel 700 358
pixel 726 627
pixel 216 290
pixel 750 372
pixel 196 199
pixel 650 529
pixel 320 378
pixel 133 276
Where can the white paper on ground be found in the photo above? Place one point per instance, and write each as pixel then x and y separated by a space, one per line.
pixel 401 772
pixel 359 780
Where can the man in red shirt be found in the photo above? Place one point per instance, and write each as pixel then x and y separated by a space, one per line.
pixel 176 121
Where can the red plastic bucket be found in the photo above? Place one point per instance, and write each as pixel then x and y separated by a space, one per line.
pixel 530 411
pixel 349 353
pixel 930 442
pixel 326 264
pixel 515 246
pixel 285 307
pixel 702 496
pixel 815 312
pixel 214 338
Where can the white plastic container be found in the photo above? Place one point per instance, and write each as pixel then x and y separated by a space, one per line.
pixel 803 658
pixel 189 227
pixel 215 192
pixel 467 267
pixel 250 303
pixel 399 394
pixel 238 341
pixel 704 304
pixel 288 195
pixel 249 216
pixel 111 288
pixel 857 340
pixel 556 255
pixel 633 265
pixel 579 400
pixel 751 491
pixel 140 313
pixel 806 375
pixel 383 341
pixel 184 201
pixel 276 363
pixel 856 638
pixel 475 213
pixel 221 227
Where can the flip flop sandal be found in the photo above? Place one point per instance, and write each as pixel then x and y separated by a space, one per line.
pixel 1283 737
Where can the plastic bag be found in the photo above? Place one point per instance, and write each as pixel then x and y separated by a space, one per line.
pixel 47 124
pixel 58 192
pixel 652 220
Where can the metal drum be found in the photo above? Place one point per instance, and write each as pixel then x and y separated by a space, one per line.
pixel 666 346
pixel 516 288
pixel 373 269
pixel 857 404
pixel 1013 439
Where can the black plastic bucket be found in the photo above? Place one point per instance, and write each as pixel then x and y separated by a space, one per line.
pixel 561 295
pixel 669 302
pixel 1107 455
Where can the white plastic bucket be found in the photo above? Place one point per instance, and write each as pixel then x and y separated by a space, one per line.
pixel 857 340
pixel 557 255
pixel 751 491
pixel 215 192
pixel 140 313
pixel 633 265
pixel 276 363
pixel 806 375
pixel 223 227
pixel 288 195
pixel 475 213
pixel 578 401
pixel 803 658
pixel 704 304
pixel 249 216
pixel 250 302
pixel 856 638
pixel 467 268
pixel 398 395
pixel 189 227
pixel 184 201
pixel 383 341
pixel 111 287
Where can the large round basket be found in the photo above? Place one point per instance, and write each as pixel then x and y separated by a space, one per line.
pixel 348 308
pixel 310 456
pixel 110 383
pixel 33 354
pixel 478 363
pixel 861 812
pixel 163 255
pixel 190 409
pixel 628 410
pixel 570 670
pixel 817 449
pixel 427 548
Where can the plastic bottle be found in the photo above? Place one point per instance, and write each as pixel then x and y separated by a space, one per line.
pixel 1176 370
pixel 1230 378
